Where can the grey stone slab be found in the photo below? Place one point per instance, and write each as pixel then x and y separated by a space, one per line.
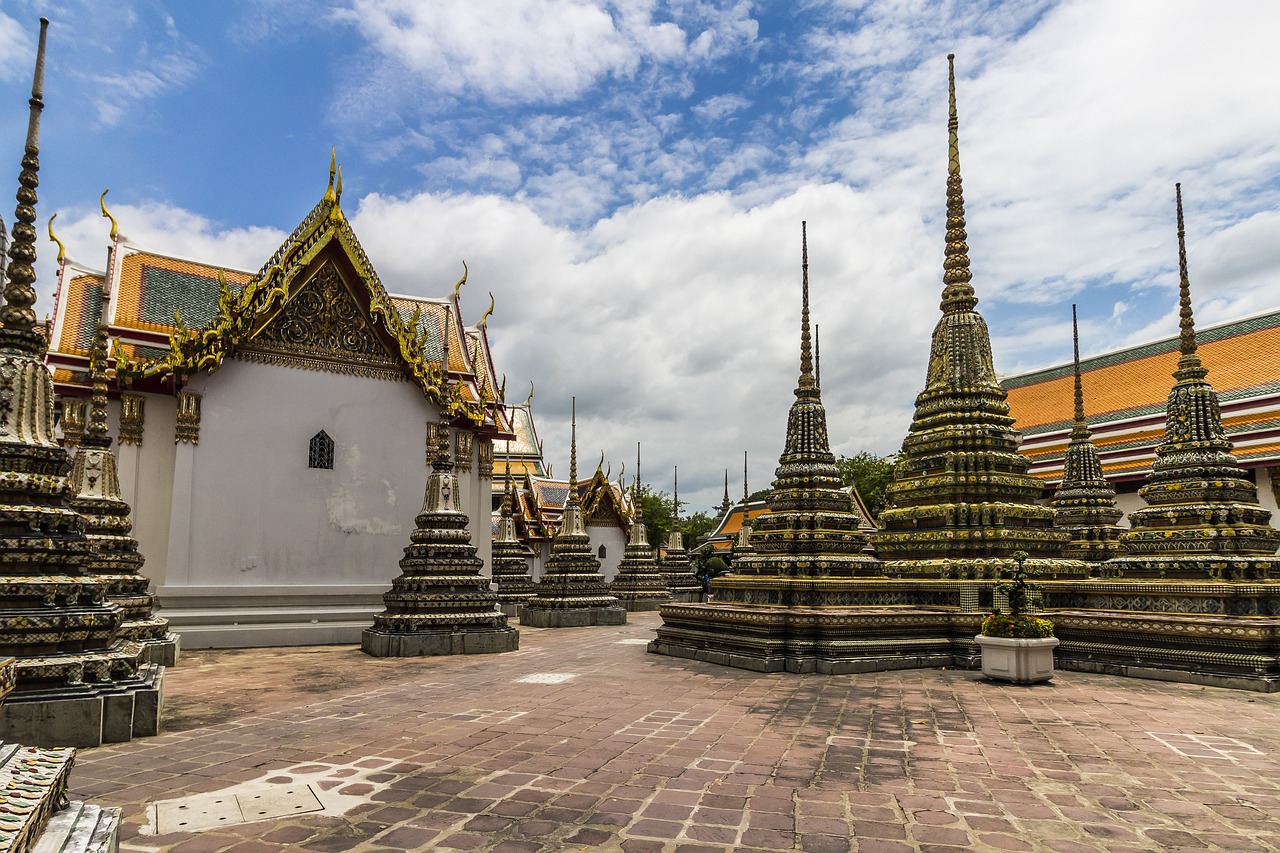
pixel 575 618
pixel 81 828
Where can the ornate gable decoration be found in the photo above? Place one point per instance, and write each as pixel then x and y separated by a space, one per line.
pixel 322 327
pixel 245 313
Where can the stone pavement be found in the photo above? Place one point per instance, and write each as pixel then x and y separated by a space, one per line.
pixel 582 740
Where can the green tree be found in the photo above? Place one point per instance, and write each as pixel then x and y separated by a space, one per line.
pixel 762 495
pixel 698 524
pixel 870 474
pixel 657 515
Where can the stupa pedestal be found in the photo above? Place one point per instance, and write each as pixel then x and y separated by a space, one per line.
pixel 441 604
pixel 511 580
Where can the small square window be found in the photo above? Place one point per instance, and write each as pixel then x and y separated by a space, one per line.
pixel 320 454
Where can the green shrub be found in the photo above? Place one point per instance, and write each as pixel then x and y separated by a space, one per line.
pixel 1020 627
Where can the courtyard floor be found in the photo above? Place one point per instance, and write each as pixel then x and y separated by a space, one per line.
pixel 582 740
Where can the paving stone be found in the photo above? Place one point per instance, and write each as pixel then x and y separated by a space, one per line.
pixel 457 754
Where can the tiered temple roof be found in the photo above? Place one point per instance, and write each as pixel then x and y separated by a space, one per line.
pixel 95 484
pixel 1202 518
pixel 812 528
pixel 1085 503
pixel 170 317
pixel 441 604
pixel 961 503
pixel 1127 393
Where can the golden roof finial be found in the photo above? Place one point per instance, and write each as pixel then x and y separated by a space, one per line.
pixel 62 249
pixel 484 320
pixel 502 390
pixel 329 194
pixel 337 190
pixel 115 226
pixel 457 288
pixel 957 292
pixel 528 401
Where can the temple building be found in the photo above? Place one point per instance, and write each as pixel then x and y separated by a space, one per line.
pixel 271 425
pixel 1127 391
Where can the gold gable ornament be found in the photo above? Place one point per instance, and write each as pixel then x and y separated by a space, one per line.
pixel 187 429
pixel 132 409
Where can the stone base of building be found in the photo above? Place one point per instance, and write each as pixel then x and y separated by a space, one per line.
pixel 234 617
pixel 1220 634
pixel 686 596
pixel 642 605
pixel 86 715
pixel 579 617
pixel 383 645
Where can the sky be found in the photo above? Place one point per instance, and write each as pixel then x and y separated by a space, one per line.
pixel 628 178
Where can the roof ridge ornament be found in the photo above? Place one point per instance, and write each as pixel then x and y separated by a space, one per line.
pixel 457 288
pixel 957 293
pixel 106 214
pixel 62 249
pixel 484 318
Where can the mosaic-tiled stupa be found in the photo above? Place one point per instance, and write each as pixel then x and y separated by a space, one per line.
pixel 511 579
pixel 1202 519
pixel 1085 502
pixel 677 570
pixel 961 502
pixel 441 604
pixel 811 529
pixel 572 592
pixel 639 584
pixel 77 683
pixel 95 484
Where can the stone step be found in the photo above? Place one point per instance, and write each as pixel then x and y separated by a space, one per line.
pixel 81 828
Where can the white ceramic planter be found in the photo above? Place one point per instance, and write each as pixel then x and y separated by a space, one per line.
pixel 1019 661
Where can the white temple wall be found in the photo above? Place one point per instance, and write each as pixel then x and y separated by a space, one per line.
pixel 146 480
pixel 614 543
pixel 275 552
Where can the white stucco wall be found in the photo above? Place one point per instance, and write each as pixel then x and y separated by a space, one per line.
pixel 259 515
pixel 614 542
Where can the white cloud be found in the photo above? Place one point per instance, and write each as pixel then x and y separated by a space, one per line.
pixel 531 51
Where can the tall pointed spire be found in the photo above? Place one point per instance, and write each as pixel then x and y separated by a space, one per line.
pixel 817 356
pixel 676 568
pixel 573 449
pixel 639 584
pixel 16 315
pixel 1190 360
pixel 742 544
pixel 510 567
pixel 1085 503
pixel 961 501
pixel 1202 519
pixel 806 354
pixel 957 293
pixel 811 527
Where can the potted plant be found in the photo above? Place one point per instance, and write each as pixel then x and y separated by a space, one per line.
pixel 1017 646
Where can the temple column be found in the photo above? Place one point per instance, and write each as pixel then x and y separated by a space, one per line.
pixel 186 436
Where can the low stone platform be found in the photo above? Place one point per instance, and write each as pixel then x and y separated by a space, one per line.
pixel 572 617
pixel 1211 633
pixel 86 715
pixel 81 828
pixel 385 645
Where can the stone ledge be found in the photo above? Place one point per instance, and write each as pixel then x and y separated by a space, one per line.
pixel 381 645
pixel 575 618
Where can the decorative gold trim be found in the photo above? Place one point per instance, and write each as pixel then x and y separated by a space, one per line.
pixel 486 459
pixel 74 413
pixel 188 418
pixel 462 444
pixel 435 440
pixel 132 415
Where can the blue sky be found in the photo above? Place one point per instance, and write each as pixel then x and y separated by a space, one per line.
pixel 629 178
